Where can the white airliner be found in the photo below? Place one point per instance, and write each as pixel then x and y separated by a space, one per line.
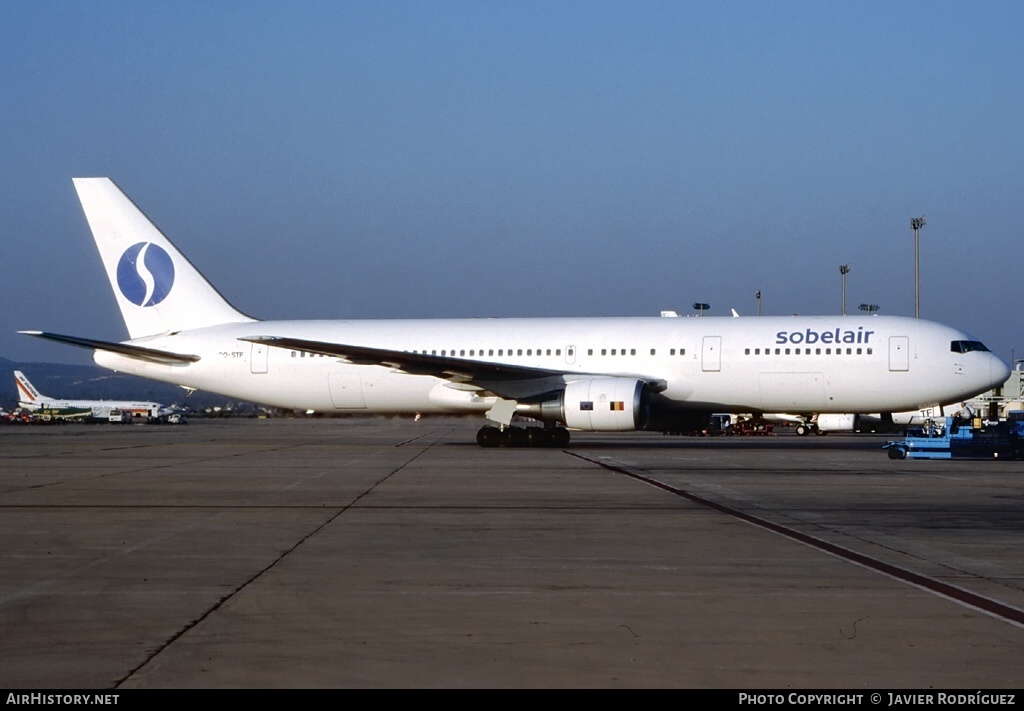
pixel 32 400
pixel 590 374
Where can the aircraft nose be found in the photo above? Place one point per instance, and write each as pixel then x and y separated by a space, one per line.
pixel 1000 371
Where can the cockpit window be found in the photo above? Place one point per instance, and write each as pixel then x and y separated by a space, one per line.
pixel 966 346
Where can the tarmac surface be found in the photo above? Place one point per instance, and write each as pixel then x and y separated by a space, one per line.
pixel 392 553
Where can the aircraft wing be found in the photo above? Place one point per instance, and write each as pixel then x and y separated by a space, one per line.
pixel 151 355
pixel 513 381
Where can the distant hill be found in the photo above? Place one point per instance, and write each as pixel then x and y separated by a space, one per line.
pixel 84 382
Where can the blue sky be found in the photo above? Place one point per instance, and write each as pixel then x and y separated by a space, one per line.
pixel 437 159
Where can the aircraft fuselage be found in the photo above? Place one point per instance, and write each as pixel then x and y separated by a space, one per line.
pixel 766 364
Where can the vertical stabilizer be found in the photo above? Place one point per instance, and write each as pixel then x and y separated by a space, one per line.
pixel 27 393
pixel 156 287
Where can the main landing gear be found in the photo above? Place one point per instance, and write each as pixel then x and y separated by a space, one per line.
pixel 490 436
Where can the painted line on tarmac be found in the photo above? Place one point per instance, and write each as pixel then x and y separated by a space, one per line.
pixel 992 608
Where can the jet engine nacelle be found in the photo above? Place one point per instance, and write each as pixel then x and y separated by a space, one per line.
pixel 597 405
pixel 837 422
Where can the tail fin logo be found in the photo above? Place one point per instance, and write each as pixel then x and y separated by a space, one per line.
pixel 29 390
pixel 145 274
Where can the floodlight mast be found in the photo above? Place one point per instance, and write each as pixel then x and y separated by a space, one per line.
pixel 844 270
pixel 916 223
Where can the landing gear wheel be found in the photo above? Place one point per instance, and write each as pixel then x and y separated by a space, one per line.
pixel 515 437
pixel 537 437
pixel 802 430
pixel 489 436
pixel 559 437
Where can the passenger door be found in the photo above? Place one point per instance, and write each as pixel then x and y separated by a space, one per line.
pixel 899 353
pixel 711 354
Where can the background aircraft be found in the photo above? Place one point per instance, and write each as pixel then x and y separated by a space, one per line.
pixel 34 401
pixel 848 422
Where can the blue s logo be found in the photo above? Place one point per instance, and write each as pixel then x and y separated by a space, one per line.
pixel 145 274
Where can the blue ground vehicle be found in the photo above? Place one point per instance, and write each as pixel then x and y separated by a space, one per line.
pixel 955 438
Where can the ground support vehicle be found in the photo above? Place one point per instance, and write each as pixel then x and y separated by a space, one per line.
pixel 752 427
pixel 955 438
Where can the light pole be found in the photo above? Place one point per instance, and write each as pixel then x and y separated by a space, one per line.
pixel 701 308
pixel 870 308
pixel 844 270
pixel 916 223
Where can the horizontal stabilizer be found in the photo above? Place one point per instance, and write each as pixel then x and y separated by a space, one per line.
pixel 151 355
